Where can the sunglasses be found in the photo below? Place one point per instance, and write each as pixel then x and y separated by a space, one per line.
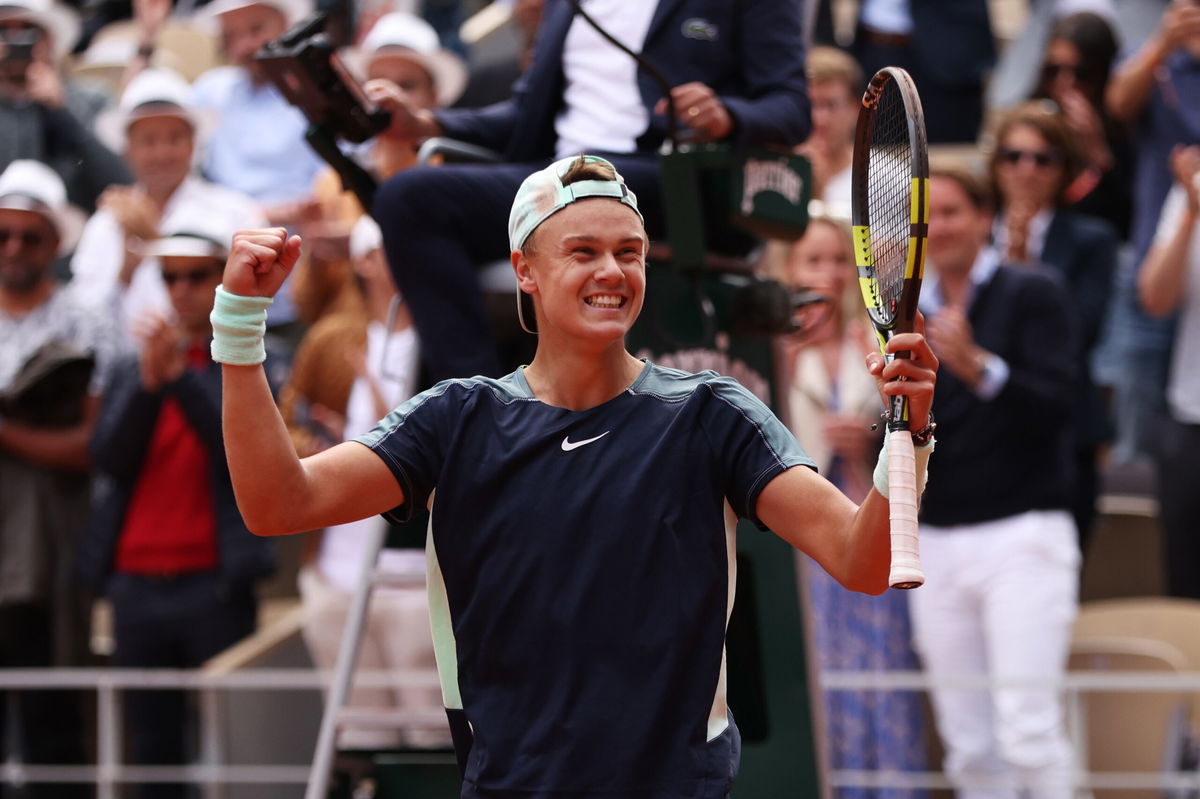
pixel 192 277
pixel 30 239
pixel 1040 158
pixel 1052 71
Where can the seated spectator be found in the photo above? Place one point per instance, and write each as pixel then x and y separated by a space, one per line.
pixel 1075 71
pixel 1150 93
pixel 738 76
pixel 165 541
pixel 44 116
pixel 49 344
pixel 835 88
pixel 998 544
pixel 1169 283
pixel 397 633
pixel 157 126
pixel 1032 168
pixel 403 50
pixel 831 407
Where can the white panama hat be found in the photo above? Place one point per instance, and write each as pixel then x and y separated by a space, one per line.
pixel 293 10
pixel 154 92
pixel 28 185
pixel 407 35
pixel 59 22
pixel 202 231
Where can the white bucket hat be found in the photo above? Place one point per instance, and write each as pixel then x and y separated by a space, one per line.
pixel 293 10
pixel 198 232
pixel 32 186
pixel 156 92
pixel 59 22
pixel 407 35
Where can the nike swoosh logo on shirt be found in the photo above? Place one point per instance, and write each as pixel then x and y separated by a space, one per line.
pixel 568 444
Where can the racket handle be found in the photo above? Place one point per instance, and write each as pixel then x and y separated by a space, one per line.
pixel 902 499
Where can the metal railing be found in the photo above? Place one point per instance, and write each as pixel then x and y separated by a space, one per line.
pixel 212 772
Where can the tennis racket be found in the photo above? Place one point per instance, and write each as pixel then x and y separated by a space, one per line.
pixel 890 213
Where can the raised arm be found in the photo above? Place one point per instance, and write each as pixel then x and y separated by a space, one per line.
pixel 1133 82
pixel 1162 278
pixel 276 491
pixel 850 542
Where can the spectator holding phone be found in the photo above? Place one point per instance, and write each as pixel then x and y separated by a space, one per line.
pixel 44 116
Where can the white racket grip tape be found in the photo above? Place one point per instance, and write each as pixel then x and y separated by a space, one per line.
pixel 902 501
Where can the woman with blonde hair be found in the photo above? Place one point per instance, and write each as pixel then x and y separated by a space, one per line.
pixel 831 407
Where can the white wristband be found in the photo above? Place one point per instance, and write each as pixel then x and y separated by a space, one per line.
pixel 239 324
pixel 880 476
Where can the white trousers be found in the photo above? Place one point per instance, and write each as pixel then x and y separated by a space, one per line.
pixel 396 636
pixel 1000 599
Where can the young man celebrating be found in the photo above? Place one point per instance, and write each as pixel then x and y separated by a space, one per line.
pixel 581 549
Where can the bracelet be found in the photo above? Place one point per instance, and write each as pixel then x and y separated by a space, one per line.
pixel 925 434
pixel 239 324
pixel 921 437
pixel 145 51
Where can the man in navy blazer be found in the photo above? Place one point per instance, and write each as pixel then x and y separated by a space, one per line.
pixel 947 46
pixel 737 75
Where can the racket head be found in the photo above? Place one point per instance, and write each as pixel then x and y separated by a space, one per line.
pixel 890 200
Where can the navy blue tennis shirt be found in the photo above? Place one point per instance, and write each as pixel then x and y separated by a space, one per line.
pixel 581 574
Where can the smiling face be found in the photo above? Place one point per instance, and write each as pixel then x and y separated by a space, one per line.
pixel 958 226
pixel 159 151
pixel 585 267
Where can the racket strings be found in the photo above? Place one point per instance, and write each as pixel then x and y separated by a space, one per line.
pixel 889 175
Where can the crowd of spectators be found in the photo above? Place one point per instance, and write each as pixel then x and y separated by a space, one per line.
pixel 1077 203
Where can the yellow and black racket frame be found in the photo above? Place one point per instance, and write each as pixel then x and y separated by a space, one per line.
pixel 896 314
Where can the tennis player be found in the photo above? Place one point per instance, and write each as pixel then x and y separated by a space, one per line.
pixel 581 558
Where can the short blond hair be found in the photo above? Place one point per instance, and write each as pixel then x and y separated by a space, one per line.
pixel 831 65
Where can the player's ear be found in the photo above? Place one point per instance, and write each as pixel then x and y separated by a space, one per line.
pixel 521 267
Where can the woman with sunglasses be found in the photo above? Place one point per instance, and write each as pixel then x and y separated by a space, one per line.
pixel 1075 71
pixel 1032 168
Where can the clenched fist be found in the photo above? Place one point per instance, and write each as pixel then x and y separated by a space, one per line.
pixel 259 261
